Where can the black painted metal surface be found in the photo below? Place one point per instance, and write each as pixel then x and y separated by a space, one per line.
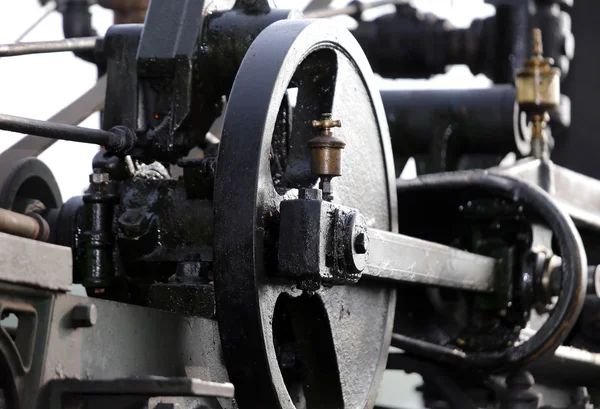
pixel 258 313
pixel 532 199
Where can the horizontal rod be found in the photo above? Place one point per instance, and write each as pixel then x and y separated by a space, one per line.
pixel 22 225
pixel 54 130
pixel 396 257
pixel 73 114
pixel 40 47
pixel 351 9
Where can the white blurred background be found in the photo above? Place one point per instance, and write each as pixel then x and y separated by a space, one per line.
pixel 38 86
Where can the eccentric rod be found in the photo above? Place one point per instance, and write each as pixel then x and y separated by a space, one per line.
pixel 118 140
pixel 351 9
pixel 40 47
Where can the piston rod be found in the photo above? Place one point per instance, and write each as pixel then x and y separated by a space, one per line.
pixel 119 139
pixel 31 226
pixel 401 258
pixel 41 47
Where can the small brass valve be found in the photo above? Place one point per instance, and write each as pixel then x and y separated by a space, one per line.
pixel 326 153
pixel 538 92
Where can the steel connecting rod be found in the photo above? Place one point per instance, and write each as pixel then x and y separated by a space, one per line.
pixel 402 258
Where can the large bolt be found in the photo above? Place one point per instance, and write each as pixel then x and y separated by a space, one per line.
pixel 361 243
pixel 84 315
pixel 133 223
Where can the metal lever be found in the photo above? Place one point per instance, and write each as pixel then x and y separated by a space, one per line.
pixel 118 140
pixel 407 259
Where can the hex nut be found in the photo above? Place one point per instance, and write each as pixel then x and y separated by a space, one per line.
pixel 84 315
pixel 99 178
pixel 310 194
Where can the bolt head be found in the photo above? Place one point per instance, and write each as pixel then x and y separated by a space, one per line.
pixel 361 243
pixel 310 194
pixel 99 178
pixel 84 315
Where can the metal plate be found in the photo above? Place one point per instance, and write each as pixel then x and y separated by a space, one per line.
pixel 36 264
pixel 342 333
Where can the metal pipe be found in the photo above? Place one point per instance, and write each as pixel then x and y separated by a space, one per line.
pixel 40 47
pixel 352 8
pixel 481 120
pixel 118 139
pixel 31 226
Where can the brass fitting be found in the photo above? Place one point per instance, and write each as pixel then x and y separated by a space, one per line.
pixel 326 153
pixel 538 92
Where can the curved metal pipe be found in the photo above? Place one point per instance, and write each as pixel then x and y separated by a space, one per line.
pixel 574 267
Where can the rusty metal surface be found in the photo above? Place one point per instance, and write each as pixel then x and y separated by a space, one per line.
pixel 36 264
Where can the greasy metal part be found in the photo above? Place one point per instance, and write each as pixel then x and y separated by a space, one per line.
pixel 538 92
pixel 326 153
pixel 574 264
pixel 324 242
pixel 179 79
pixel 40 47
pixel 96 266
pixel 26 226
pixel 255 310
pixel 119 139
pixel 401 258
pixel 35 264
pixel 73 114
